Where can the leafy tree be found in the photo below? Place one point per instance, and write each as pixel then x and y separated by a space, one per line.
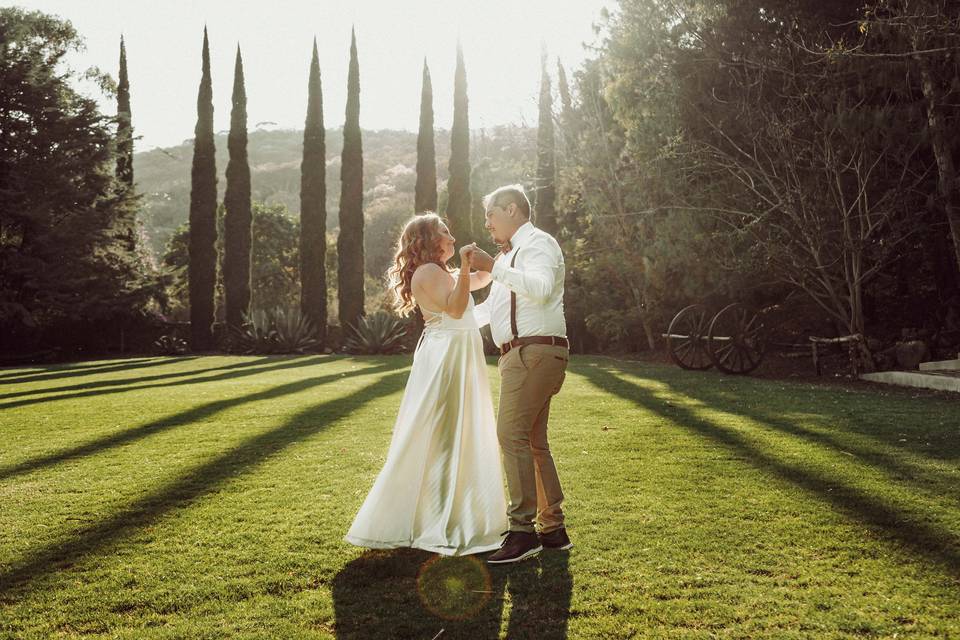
pixel 914 44
pixel 275 273
pixel 707 164
pixel 64 218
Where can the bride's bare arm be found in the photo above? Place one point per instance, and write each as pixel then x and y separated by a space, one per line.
pixel 433 286
pixel 479 279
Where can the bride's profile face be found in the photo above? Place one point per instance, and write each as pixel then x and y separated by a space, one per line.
pixel 447 243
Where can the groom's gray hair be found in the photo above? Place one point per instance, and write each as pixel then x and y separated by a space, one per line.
pixel 505 195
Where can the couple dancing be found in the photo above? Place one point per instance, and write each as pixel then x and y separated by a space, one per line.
pixel 441 487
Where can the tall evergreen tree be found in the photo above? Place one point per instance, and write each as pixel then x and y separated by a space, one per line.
pixel 569 204
pixel 203 215
pixel 545 214
pixel 124 123
pixel 313 207
pixel 238 218
pixel 567 121
pixel 458 184
pixel 127 228
pixel 566 101
pixel 425 194
pixel 350 239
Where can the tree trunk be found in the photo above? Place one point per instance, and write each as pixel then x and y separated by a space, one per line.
pixel 946 169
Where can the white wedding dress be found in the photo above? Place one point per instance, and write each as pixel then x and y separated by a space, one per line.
pixel 441 487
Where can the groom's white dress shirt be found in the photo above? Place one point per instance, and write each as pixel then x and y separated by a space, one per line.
pixel 536 278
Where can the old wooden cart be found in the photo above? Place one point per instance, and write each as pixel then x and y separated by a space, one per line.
pixel 733 340
pixel 736 338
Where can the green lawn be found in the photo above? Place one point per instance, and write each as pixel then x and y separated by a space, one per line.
pixel 208 496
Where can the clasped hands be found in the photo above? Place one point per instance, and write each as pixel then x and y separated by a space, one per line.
pixel 476 258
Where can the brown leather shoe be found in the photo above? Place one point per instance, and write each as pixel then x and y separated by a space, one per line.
pixel 517 546
pixel 556 539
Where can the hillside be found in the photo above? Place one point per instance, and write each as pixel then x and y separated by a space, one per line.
pixel 504 154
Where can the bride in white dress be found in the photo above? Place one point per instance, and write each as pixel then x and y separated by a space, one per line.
pixel 441 487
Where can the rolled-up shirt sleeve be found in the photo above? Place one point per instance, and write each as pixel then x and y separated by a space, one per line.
pixel 539 274
pixel 481 312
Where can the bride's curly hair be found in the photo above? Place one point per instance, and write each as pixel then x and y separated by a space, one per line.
pixel 419 244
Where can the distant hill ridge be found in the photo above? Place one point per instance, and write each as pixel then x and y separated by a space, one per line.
pixel 163 175
pixel 389 163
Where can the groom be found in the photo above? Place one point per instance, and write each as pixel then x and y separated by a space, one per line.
pixel 525 306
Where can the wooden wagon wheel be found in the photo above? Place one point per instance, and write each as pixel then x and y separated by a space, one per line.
pixel 687 338
pixel 736 339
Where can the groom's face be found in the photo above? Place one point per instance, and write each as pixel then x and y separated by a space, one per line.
pixel 501 222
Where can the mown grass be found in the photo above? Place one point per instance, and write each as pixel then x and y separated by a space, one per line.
pixel 207 497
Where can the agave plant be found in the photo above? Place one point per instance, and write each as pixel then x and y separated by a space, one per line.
pixel 378 333
pixel 170 345
pixel 256 335
pixel 276 331
pixel 293 331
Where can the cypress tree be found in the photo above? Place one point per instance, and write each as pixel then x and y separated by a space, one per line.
pixel 313 207
pixel 425 194
pixel 124 123
pixel 567 132
pixel 126 224
pixel 566 102
pixel 238 218
pixel 202 268
pixel 350 239
pixel 458 184
pixel 567 210
pixel 545 214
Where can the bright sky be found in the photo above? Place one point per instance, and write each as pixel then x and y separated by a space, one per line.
pixel 501 42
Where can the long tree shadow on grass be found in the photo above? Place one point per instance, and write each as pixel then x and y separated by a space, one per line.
pixel 908 529
pixel 888 455
pixel 939 441
pixel 121 382
pixel 236 370
pixel 203 479
pixel 189 416
pixel 57 372
pixel 406 593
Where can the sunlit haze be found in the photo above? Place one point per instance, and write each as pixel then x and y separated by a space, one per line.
pixel 501 42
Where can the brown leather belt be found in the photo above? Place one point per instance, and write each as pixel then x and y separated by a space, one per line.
pixel 519 342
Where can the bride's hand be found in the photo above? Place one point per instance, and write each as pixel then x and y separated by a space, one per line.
pixel 466 254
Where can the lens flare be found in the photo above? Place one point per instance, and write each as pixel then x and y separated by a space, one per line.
pixel 454 588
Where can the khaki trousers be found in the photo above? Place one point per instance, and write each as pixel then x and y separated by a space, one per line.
pixel 529 377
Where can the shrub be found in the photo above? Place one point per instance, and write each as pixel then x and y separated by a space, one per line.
pixel 280 330
pixel 170 345
pixel 377 333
